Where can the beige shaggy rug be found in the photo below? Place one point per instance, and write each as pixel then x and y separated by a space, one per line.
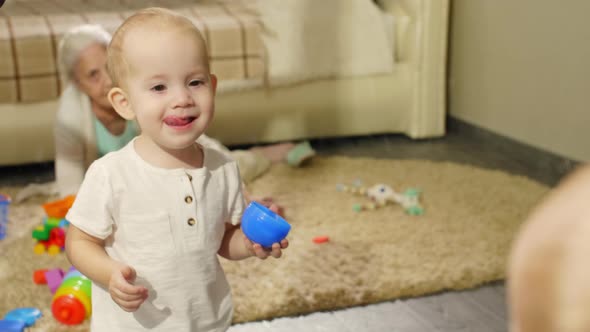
pixel 462 240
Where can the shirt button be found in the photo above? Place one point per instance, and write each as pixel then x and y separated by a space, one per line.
pixel 191 222
pixel 188 199
pixel 190 177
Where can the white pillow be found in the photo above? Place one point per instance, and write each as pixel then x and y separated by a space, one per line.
pixel 312 39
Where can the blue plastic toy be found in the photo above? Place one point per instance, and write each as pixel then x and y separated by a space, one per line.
pixel 4 203
pixel 263 226
pixel 26 315
pixel 9 325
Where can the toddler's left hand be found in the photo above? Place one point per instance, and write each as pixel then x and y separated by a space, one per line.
pixel 257 250
pixel 275 251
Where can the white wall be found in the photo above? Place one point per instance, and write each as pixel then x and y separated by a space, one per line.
pixel 521 68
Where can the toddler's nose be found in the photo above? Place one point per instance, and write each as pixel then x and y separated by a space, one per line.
pixel 184 98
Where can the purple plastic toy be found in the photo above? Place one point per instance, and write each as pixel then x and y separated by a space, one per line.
pixel 54 278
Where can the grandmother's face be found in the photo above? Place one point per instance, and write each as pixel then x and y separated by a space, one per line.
pixel 91 76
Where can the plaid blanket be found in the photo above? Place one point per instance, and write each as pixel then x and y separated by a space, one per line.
pixel 30 31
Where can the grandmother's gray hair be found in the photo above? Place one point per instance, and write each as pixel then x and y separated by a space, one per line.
pixel 73 43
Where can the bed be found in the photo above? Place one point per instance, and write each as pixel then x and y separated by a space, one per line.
pixel 288 70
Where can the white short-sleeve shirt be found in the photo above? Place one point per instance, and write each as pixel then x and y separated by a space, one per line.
pixel 167 224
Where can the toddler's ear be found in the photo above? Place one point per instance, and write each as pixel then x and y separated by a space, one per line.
pixel 120 102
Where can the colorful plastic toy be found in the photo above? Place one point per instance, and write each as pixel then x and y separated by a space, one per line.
pixel 50 236
pixel 263 226
pixel 72 301
pixel 4 204
pixel 26 315
pixel 382 195
pixel 50 277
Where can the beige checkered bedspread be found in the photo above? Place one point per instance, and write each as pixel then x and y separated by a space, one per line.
pixel 30 31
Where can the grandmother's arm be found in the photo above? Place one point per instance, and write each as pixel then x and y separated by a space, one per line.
pixel 70 165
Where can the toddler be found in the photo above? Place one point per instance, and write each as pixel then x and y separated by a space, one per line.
pixel 150 219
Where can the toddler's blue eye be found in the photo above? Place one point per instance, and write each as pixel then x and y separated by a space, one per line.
pixel 195 83
pixel 159 87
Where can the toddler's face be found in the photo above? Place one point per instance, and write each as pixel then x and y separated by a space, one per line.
pixel 169 85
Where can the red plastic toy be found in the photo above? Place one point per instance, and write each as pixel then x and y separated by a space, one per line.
pixel 39 277
pixel 321 239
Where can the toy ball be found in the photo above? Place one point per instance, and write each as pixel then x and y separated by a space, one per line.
pixel 263 226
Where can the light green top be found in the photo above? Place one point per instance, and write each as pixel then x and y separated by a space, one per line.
pixel 107 142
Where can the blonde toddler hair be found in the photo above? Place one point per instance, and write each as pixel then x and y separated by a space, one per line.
pixel 152 17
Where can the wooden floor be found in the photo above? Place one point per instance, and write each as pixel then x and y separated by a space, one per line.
pixel 479 310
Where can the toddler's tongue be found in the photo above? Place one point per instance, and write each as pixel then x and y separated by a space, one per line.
pixel 178 121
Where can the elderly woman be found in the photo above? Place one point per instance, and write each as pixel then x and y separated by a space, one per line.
pixel 88 127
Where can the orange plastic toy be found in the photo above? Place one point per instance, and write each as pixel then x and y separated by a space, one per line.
pixel 59 208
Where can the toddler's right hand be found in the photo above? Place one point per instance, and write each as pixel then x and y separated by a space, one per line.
pixel 127 295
